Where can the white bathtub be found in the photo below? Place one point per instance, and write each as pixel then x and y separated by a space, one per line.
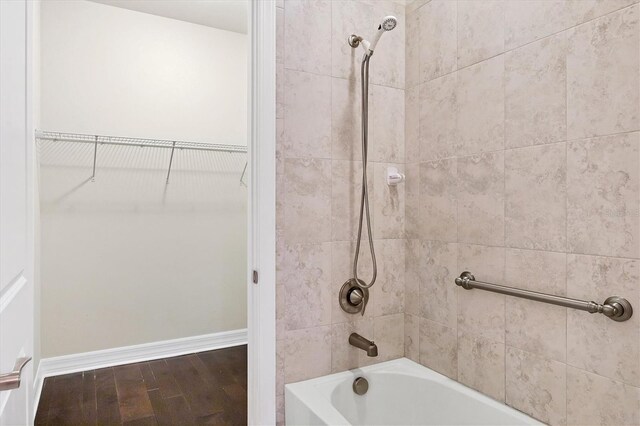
pixel 401 392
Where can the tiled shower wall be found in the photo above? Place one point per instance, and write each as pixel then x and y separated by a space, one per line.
pixel 318 185
pixel 522 152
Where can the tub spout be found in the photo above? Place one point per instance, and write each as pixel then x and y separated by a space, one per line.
pixel 361 343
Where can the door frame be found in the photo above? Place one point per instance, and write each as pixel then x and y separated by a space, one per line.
pixel 261 296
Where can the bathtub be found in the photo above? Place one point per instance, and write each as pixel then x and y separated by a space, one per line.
pixel 401 392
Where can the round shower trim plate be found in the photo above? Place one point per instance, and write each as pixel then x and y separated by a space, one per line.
pixel 345 293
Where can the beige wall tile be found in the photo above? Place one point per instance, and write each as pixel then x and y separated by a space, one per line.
pixel 279 36
pixel 530 20
pixel 480 30
pixel 438 200
pixel 536 197
pixel 535 93
pixel 603 196
pixel 387 295
pixel 388 202
pixel 412 215
pixel 279 91
pixel 481 199
pixel 412 337
pixel 346 142
pixel 348 18
pixel 474 316
pixel 580 11
pixel 596 400
pixel 438 118
pixel 438 42
pixel 438 295
pixel 480 99
pixel 307 200
pixel 415 270
pixel 306 354
pixel 412 49
pixel 533 326
pixel 412 125
pixel 311 54
pixel 280 351
pixel 346 193
pixel 307 111
pixel 388 333
pixel 594 342
pixel 536 386
pixel 481 365
pixel 306 273
pixel 438 348
pixel 603 88
pixel 386 124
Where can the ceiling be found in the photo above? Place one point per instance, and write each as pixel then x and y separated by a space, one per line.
pixel 230 15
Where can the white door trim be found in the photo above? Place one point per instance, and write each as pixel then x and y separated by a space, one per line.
pixel 261 307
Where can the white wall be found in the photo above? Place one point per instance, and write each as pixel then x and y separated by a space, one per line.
pixel 115 71
pixel 127 259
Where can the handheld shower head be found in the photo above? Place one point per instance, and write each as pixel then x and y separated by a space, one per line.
pixel 387 24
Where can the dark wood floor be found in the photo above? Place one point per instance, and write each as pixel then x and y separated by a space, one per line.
pixel 203 388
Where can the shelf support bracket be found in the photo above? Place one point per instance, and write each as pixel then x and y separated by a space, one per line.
pixel 173 148
pixel 95 155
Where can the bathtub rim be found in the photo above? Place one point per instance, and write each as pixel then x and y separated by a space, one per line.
pixel 318 390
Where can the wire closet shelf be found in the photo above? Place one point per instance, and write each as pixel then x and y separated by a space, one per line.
pixel 96 140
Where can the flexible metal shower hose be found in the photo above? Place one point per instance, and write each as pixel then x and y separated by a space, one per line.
pixel 364 199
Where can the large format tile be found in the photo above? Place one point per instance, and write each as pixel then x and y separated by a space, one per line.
pixel 306 353
pixel 481 199
pixel 414 271
pixel 579 11
pixel 480 30
pixel 530 20
pixel 388 333
pixel 412 337
pixel 603 196
pixel 594 342
pixel 535 93
pixel 412 125
pixel 412 215
pixel 438 118
pixel 306 273
pixel 346 135
pixel 481 313
pixel 307 200
pixel 438 296
pixel 412 49
pixel 307 112
pixel 346 193
pixel 438 348
pixel 387 294
pixel 480 107
pixel 536 386
pixel 536 197
pixel 438 42
pixel 533 326
pixel 438 200
pixel 603 63
pixel 596 400
pixel 311 54
pixel 386 124
pixel 481 365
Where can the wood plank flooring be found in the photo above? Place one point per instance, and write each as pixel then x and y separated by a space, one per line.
pixel 201 388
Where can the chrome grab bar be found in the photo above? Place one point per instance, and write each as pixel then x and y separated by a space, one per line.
pixel 12 380
pixel 616 308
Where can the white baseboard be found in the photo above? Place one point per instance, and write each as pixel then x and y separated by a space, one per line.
pixel 74 363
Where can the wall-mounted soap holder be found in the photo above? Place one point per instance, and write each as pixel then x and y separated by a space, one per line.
pixel 394 177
